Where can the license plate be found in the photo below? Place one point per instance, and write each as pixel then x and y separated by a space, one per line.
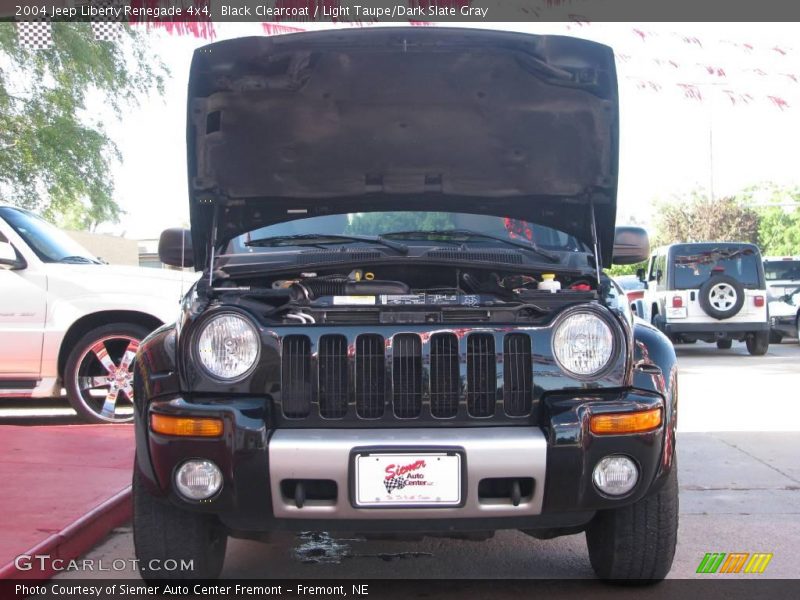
pixel 407 479
pixel 676 313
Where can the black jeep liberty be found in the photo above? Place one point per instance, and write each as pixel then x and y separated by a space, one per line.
pixel 403 324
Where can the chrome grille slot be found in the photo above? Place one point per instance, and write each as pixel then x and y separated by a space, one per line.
pixel 370 376
pixel 332 363
pixel 481 375
pixel 444 379
pixel 407 375
pixel 296 388
pixel 517 375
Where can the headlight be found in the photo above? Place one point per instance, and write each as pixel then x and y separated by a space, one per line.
pixel 228 346
pixel 583 344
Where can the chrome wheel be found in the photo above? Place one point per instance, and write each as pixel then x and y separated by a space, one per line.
pixel 104 378
pixel 722 296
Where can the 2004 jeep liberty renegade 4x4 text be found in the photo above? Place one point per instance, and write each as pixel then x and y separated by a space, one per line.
pixel 403 325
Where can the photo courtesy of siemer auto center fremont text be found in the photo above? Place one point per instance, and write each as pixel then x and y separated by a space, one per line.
pixel 442 298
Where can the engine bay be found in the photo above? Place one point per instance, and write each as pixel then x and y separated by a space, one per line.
pixel 406 294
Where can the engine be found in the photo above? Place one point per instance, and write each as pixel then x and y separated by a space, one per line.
pixel 424 294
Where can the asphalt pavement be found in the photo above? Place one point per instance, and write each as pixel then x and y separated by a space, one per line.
pixel 739 423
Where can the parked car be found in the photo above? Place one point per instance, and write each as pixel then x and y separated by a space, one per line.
pixel 714 292
pixel 403 326
pixel 782 274
pixel 67 320
pixel 634 289
pixel 784 316
pixel 783 277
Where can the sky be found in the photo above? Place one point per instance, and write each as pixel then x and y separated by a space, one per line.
pixel 702 106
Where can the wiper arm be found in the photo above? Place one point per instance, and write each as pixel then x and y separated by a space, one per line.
pixel 526 245
pixel 78 259
pixel 320 238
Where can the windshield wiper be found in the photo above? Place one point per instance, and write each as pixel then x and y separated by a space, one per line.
pixel 468 233
pixel 319 238
pixel 78 259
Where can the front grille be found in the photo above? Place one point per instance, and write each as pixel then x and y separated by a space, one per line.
pixel 296 376
pixel 407 377
pixel 517 375
pixel 333 376
pixel 445 380
pixel 481 375
pixel 370 373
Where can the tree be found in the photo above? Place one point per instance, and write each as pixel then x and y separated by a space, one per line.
pixel 701 219
pixel 778 210
pixel 779 232
pixel 54 157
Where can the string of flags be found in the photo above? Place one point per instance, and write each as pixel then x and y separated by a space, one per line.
pixel 652 62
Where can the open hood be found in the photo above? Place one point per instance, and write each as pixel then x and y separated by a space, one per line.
pixel 414 118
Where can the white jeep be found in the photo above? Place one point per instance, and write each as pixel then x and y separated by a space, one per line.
pixel 68 320
pixel 711 291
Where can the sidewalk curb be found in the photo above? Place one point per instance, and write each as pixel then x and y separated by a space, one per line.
pixel 76 538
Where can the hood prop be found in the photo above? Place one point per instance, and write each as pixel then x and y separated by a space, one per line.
pixel 213 244
pixel 595 243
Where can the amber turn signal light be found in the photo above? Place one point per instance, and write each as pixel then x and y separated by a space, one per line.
pixel 616 423
pixel 186 426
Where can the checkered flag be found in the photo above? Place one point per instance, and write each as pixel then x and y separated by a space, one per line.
pixel 36 34
pixel 395 483
pixel 106 31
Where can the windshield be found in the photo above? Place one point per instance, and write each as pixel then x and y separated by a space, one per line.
pixel 782 270
pixel 400 225
pixel 630 283
pixel 48 242
pixel 694 265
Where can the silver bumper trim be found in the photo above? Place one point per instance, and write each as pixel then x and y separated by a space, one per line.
pixel 325 454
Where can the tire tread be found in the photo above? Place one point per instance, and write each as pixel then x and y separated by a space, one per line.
pixel 636 542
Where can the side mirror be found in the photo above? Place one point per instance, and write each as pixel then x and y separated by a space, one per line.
pixel 631 246
pixel 175 247
pixel 640 274
pixel 8 256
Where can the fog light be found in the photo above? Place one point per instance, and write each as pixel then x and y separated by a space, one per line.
pixel 198 479
pixel 615 475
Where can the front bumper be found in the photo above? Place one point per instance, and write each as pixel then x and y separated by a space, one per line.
pixel 785 325
pixel 559 455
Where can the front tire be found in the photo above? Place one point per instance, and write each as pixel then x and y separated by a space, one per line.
pixel 758 343
pixel 724 344
pixel 98 374
pixel 636 542
pixel 163 532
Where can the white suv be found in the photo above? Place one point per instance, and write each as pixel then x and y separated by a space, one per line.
pixel 783 281
pixel 711 291
pixel 68 320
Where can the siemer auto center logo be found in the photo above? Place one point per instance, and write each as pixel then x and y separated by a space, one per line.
pixel 734 562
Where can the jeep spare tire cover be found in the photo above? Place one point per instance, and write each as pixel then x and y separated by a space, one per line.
pixel 721 296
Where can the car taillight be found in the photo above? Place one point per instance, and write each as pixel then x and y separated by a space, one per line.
pixel 677 302
pixel 637 295
pixel 758 301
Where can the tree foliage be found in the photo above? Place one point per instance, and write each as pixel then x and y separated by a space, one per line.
pixel 377 223
pixel 617 270
pixel 779 219
pixel 702 219
pixel 55 158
